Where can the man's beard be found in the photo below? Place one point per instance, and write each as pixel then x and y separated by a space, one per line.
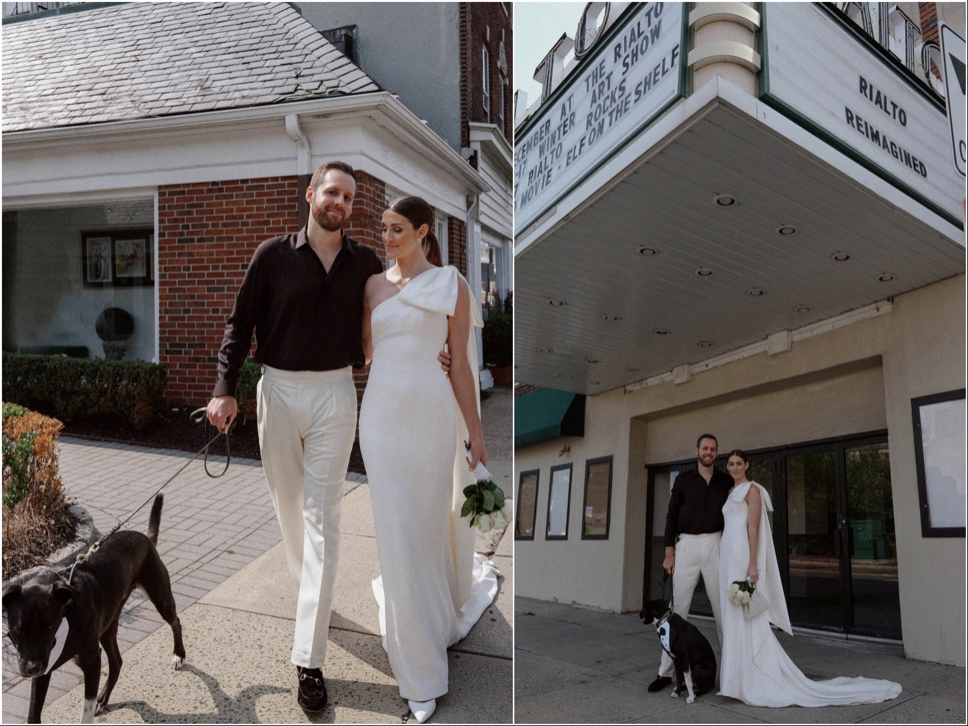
pixel 712 460
pixel 324 221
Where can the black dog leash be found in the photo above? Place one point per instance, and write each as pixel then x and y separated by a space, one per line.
pixel 196 417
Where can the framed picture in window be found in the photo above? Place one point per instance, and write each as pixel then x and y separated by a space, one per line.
pixel 559 496
pixel 598 498
pixel 939 449
pixel 97 261
pixel 527 505
pixel 118 257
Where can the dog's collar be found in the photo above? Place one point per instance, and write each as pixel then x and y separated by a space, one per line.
pixel 60 637
pixel 665 617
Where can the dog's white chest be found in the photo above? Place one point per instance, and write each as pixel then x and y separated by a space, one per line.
pixel 663 632
pixel 60 638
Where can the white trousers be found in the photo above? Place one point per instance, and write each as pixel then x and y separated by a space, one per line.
pixel 307 423
pixel 696 554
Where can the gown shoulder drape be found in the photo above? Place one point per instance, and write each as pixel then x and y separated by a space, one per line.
pixel 433 587
pixel 754 667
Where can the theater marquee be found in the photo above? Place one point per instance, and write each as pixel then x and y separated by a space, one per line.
pixel 860 100
pixel 627 79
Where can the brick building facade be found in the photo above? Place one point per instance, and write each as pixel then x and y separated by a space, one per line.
pixel 485 27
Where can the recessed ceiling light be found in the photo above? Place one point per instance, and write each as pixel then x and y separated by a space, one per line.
pixel 555 375
pixel 704 272
pixel 591 360
pixel 887 276
pixel 611 318
pixel 662 331
pixel 647 251
pixel 705 344
pixel 801 309
pixel 840 256
pixel 724 200
pixel 786 230
pixel 756 292
pixel 557 303
pixel 634 370
pixel 546 350
pixel 596 383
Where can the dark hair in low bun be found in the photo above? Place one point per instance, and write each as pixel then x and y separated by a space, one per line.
pixel 419 212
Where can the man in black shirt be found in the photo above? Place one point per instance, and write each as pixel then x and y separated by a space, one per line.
pixel 695 517
pixel 303 295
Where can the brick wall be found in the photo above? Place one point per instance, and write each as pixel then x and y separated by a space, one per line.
pixel 457 244
pixel 929 22
pixel 207 233
pixel 477 22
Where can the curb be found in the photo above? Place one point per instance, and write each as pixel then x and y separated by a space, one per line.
pixel 85 535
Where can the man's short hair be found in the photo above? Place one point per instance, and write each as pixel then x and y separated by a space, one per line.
pixel 706 436
pixel 323 168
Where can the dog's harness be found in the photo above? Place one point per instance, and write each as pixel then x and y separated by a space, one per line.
pixel 196 416
pixel 662 630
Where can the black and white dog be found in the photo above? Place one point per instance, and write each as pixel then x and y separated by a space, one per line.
pixel 51 622
pixel 691 653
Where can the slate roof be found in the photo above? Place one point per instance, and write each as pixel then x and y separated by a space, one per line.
pixel 144 60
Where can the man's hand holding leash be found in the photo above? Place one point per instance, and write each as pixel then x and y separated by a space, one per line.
pixel 221 412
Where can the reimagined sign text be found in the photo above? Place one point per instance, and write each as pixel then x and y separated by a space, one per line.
pixel 622 84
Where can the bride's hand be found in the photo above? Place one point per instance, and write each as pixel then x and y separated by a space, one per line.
pixel 753 574
pixel 476 454
pixel 444 359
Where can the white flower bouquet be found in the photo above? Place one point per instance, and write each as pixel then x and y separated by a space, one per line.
pixel 485 506
pixel 742 593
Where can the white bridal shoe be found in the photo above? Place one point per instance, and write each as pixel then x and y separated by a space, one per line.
pixel 422 710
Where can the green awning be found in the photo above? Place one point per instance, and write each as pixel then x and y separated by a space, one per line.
pixel 545 414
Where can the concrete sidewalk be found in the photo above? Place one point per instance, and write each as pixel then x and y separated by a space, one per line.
pixel 221 543
pixel 576 665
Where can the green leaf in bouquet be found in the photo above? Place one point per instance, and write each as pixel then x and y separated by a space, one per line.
pixel 498 498
pixel 488 501
pixel 468 507
pixel 470 489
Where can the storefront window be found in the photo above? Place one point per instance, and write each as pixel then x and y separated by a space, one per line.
pixel 598 498
pixel 494 283
pixel 64 268
pixel 527 505
pixel 558 501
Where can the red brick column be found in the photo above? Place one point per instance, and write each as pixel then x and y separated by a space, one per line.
pixel 207 233
pixel 457 244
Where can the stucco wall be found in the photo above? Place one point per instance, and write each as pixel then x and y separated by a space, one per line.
pixel 925 354
pixel 854 379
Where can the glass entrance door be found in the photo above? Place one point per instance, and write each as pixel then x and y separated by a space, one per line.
pixel 876 606
pixel 814 592
pixel 842 554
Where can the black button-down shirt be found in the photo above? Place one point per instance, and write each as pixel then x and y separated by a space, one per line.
pixel 305 318
pixel 696 507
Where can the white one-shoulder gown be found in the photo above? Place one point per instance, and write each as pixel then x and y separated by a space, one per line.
pixel 433 587
pixel 754 667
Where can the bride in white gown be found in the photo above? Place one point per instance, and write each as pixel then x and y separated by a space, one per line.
pixel 754 667
pixel 413 423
